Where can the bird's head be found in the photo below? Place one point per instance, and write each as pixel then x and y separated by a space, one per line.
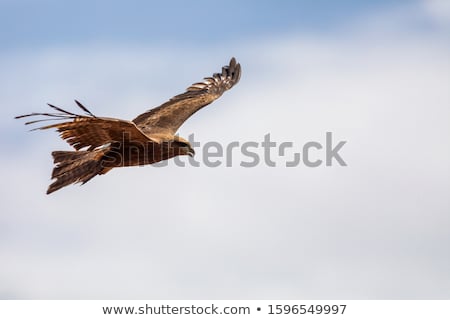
pixel 182 146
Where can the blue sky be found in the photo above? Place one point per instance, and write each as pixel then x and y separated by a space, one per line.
pixel 375 73
pixel 31 24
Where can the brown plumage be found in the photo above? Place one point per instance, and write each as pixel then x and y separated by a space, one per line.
pixel 105 143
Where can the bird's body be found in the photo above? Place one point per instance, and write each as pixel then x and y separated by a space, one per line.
pixel 102 144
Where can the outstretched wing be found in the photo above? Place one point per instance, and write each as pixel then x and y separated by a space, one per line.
pixel 168 117
pixel 88 130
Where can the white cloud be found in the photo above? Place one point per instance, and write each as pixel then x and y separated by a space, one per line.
pixel 375 229
pixel 439 10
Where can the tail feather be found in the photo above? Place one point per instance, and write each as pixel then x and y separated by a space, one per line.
pixel 74 166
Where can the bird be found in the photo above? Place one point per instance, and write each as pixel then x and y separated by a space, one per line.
pixel 102 143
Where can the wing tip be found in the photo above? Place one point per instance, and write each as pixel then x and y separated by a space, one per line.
pixel 234 69
pixel 82 107
pixel 237 73
pixel 232 61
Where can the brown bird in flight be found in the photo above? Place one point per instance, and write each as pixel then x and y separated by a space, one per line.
pixel 105 143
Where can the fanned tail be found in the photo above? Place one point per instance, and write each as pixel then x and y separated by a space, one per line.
pixel 75 166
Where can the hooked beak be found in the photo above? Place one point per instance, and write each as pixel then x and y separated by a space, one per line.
pixel 191 152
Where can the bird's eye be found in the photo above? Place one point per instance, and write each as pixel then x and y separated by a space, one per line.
pixel 179 144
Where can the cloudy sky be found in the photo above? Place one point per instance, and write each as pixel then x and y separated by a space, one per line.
pixel 375 74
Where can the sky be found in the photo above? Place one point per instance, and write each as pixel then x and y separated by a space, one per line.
pixel 373 73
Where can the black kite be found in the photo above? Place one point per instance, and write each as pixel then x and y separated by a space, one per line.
pixel 105 143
